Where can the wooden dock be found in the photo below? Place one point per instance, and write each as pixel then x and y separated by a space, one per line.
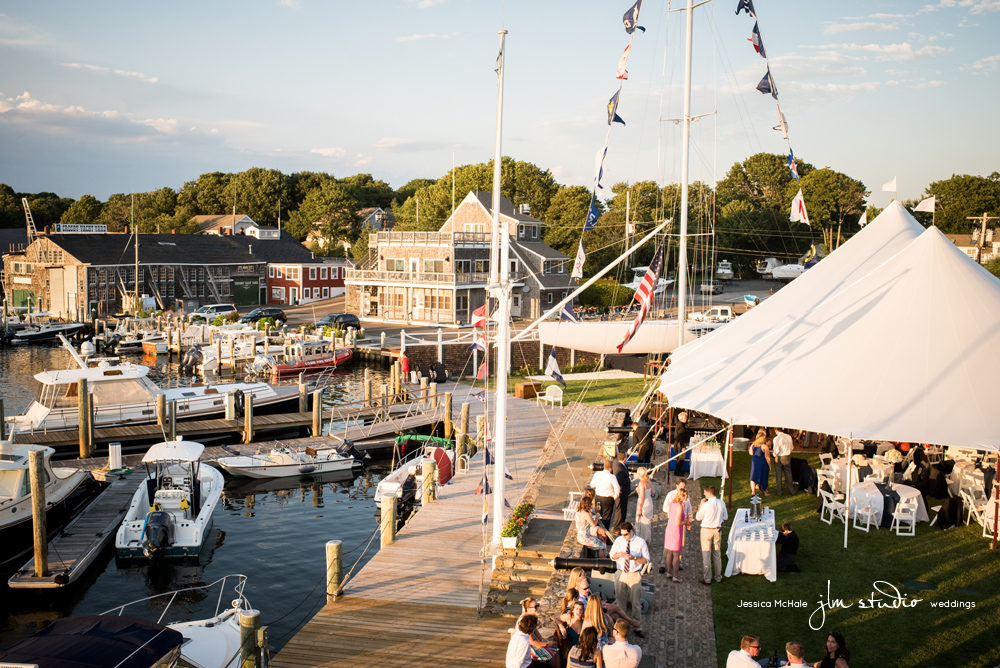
pixel 416 601
pixel 83 539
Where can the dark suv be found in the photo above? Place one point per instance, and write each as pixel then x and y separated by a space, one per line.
pixel 339 320
pixel 265 312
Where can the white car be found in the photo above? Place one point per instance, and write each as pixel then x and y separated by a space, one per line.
pixel 210 311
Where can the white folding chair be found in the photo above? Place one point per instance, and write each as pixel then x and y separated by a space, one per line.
pixel 866 512
pixel 990 459
pixel 828 476
pixel 905 513
pixel 825 458
pixel 833 507
pixel 973 509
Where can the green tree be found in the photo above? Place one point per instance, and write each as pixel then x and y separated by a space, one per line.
pixel 368 191
pixel 962 196
pixel 993 266
pixel 329 209
pixel 565 217
pixel 11 213
pixel 300 184
pixel 411 188
pixel 206 195
pixel 258 194
pixel 359 251
pixel 834 202
pixel 47 209
pixel 84 211
pixel 761 180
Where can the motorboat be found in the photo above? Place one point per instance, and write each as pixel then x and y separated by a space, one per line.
pixel 724 272
pixel 639 273
pixel 130 334
pixel 406 482
pixel 302 355
pixel 171 514
pixel 282 462
pixel 751 300
pixel 771 268
pixel 66 491
pixel 43 327
pixel 122 394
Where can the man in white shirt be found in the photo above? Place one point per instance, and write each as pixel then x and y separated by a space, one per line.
pixel 783 460
pixel 796 654
pixel 621 654
pixel 631 553
pixel 680 484
pixel 606 490
pixel 519 647
pixel 745 656
pixel 711 513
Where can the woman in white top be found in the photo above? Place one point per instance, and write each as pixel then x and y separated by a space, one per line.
pixel 644 506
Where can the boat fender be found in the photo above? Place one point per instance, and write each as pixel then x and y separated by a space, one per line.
pixel 306 468
pixel 159 534
pixel 239 399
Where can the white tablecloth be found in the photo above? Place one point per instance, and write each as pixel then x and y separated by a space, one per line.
pixel 753 556
pixel 741 521
pixel 864 493
pixel 706 462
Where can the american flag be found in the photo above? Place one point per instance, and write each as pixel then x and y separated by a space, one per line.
pixel 644 295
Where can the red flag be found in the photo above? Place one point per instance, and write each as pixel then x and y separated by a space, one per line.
pixel 481 374
pixel 623 63
pixel 479 317
pixel 644 295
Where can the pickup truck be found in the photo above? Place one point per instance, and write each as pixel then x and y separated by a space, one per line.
pixel 714 314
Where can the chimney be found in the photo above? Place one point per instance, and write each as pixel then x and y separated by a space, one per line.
pixel 173 230
pixel 46 229
pixel 126 229
pixel 526 209
pixel 250 249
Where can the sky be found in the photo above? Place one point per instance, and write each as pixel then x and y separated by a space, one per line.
pixel 115 97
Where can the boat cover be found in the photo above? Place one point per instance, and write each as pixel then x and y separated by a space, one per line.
pixel 443 464
pixel 176 451
pixel 97 641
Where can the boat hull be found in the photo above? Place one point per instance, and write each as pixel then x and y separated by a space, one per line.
pixel 261 467
pixel 342 357
pixel 48 334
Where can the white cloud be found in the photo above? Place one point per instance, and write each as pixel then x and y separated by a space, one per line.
pixel 861 26
pixel 136 75
pixel 424 4
pixel 122 73
pixel 408 145
pixel 15 33
pixel 987 64
pixel 985 7
pixel 975 6
pixel 929 84
pixel 165 125
pixel 330 152
pixel 412 38
pixel 362 161
pixel 294 4
pixel 863 87
pixel 897 52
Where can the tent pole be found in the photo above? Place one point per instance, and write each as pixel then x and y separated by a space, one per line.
pixel 847 496
pixel 729 463
pixel 996 507
pixel 670 438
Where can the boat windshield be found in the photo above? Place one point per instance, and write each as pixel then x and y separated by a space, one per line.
pixel 128 391
pixel 10 484
pixel 58 396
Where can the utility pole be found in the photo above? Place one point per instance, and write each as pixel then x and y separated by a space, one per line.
pixel 981 242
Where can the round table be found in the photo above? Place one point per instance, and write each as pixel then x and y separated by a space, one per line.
pixel 865 493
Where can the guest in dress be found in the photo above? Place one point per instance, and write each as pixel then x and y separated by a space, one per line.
pixel 673 536
pixel 586 654
pixel 572 626
pixel 579 583
pixel 594 617
pixel 588 533
pixel 760 464
pixel 644 506
pixel 837 655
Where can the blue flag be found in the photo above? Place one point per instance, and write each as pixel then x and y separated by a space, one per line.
pixel 632 17
pixel 766 85
pixel 483 487
pixel 567 312
pixel 593 213
pixel 758 44
pixel 745 5
pixel 479 396
pixel 552 369
pixel 488 456
pixel 791 164
pixel 613 116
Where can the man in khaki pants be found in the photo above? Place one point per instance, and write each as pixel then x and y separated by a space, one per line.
pixel 631 554
pixel 711 513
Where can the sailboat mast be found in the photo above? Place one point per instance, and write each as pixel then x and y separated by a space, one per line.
pixel 135 233
pixel 685 158
pixel 500 281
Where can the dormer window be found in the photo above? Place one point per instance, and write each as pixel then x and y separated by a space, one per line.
pixel 522 233
pixel 534 231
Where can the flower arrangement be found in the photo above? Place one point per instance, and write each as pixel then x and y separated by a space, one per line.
pixel 860 460
pixel 517 520
pixel 894 456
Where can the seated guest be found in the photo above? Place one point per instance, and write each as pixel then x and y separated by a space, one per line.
pixel 594 617
pixel 789 542
pixel 837 655
pixel 586 654
pixel 519 647
pixel 746 655
pixel 541 650
pixel 796 655
pixel 578 580
pixel 572 625
pixel 588 532
pixel 620 653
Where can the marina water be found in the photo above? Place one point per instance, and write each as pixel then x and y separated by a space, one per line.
pixel 273 531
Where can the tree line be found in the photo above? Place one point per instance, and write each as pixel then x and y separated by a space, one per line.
pixel 744 218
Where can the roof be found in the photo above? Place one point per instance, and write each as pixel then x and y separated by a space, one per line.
pixel 16 236
pixel 97 374
pixel 541 249
pixel 365 213
pixel 117 249
pixel 961 240
pixel 215 222
pixel 507 208
pixel 175 451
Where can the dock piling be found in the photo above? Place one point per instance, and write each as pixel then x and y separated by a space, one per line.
pixel 427 490
pixel 83 415
pixel 303 394
pixel 465 425
pixel 36 468
pixel 317 425
pixel 248 419
pixel 388 520
pixel 423 390
pixel 368 389
pixel 480 434
pixel 434 391
pixel 3 422
pixel 172 420
pixel 249 651
pixel 161 409
pixel 230 406
pixel 448 427
pixel 334 569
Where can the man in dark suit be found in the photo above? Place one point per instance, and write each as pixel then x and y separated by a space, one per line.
pixel 789 542
pixel 621 474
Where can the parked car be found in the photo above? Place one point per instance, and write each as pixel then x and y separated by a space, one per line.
pixel 341 320
pixel 211 311
pixel 265 312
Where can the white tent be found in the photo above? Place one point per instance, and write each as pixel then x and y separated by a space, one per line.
pixel 909 351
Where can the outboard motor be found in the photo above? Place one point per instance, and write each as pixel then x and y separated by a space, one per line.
pixel 8 337
pixel 113 342
pixel 348 450
pixel 192 358
pixel 158 535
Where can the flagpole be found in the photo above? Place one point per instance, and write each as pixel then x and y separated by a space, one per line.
pixel 500 278
pixel 685 159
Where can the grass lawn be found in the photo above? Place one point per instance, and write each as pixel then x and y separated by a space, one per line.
pixel 958 561
pixel 601 392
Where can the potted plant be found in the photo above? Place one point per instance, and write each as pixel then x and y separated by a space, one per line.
pixel 510 535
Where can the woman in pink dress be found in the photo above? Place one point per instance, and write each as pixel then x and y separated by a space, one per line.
pixel 673 537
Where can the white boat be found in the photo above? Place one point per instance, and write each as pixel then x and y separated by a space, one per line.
pixel 171 514
pixel 639 273
pixel 130 334
pixel 65 491
pixel 41 327
pixel 283 461
pixel 724 272
pixel 406 482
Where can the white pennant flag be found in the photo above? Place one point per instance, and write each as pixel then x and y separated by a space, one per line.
pixel 622 62
pixel 926 205
pixel 581 257
pixel 890 187
pixel 864 219
pixel 599 164
pixel 799 214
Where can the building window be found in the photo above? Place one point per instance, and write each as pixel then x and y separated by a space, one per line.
pixel 522 232
pixel 279 273
pixel 306 294
pixel 463 266
pixel 395 265
pixel 462 302
pixel 326 293
pixel 293 273
pixel 322 273
pixel 548 298
pixel 561 267
pixel 312 273
pixel 483 266
pixel 476 227
pixel 278 293
pixel 513 266
pixel 534 231
pixel 546 267
pixel 434 266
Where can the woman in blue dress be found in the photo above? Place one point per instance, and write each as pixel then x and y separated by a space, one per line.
pixel 760 464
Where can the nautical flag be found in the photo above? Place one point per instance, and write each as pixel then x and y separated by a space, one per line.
pixel 481 374
pixel 483 487
pixel 613 116
pixel 926 205
pixel 758 44
pixel 599 164
pixel 486 509
pixel 799 214
pixel 622 63
pixel 632 17
pixel 479 317
pixel 766 85
pixel 889 187
pixel 581 257
pixel 864 219
pixel 552 369
pixel 747 5
pixel 479 344
pixel 567 312
pixel 782 126
pixel 644 295
pixel 791 164
pixel 505 501
pixel 593 213
pixel 479 396
pixel 487 457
